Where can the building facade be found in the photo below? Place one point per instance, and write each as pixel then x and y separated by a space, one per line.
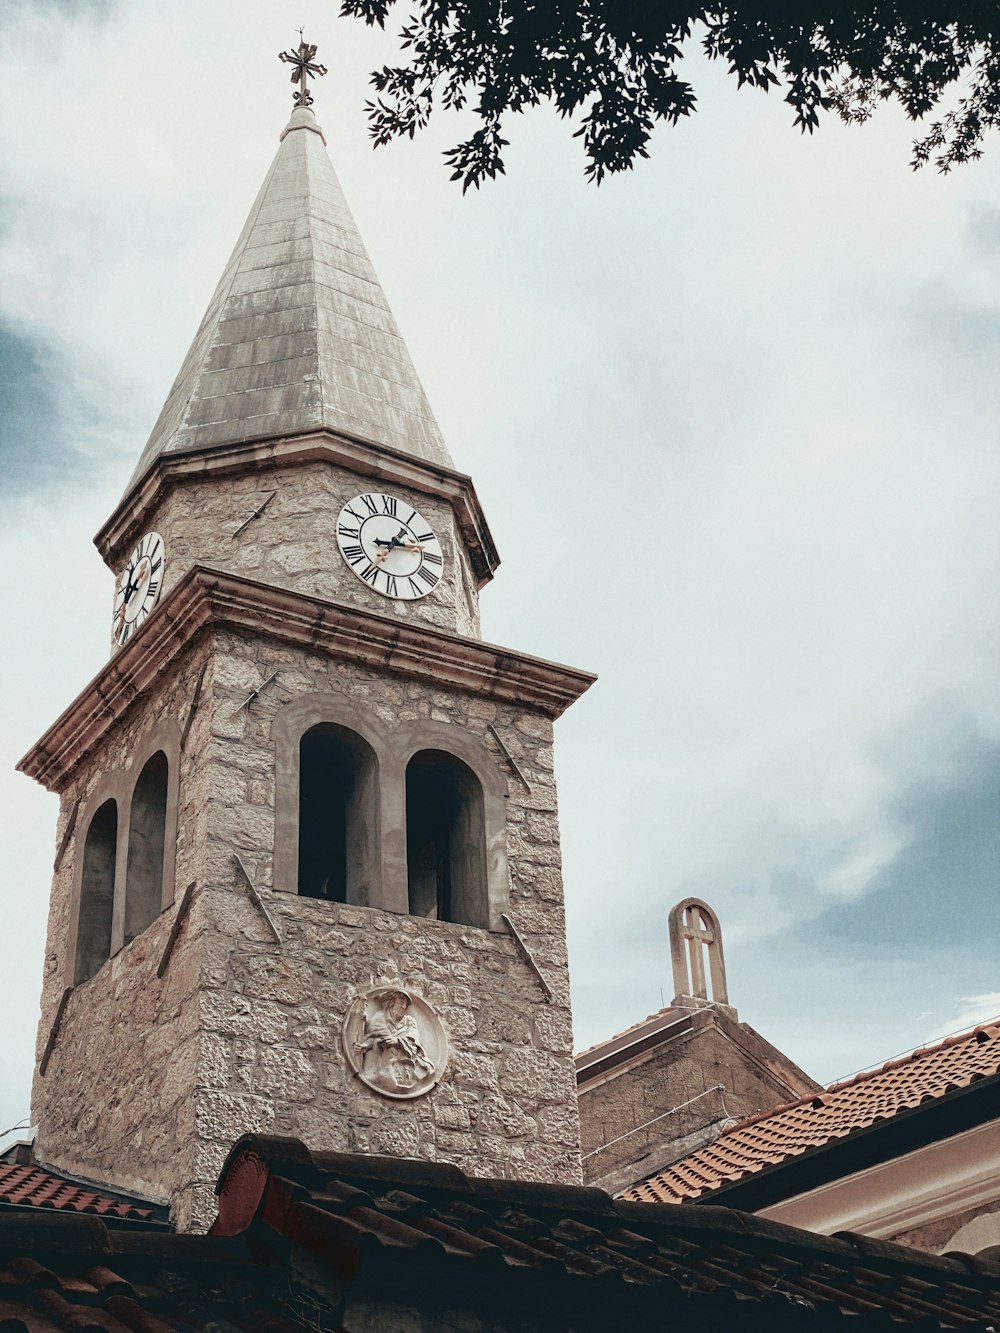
pixel 308 879
pixel 675 1081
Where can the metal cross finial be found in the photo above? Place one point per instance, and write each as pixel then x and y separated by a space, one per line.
pixel 304 67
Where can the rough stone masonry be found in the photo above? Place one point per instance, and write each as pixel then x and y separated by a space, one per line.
pixel 152 1080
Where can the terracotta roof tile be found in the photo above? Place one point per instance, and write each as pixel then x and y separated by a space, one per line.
pixel 33 1187
pixel 408 1231
pixel 818 1119
pixel 728 1264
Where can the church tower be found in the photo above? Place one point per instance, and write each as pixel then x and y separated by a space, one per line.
pixel 308 871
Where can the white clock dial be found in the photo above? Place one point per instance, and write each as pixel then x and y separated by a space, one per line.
pixel 390 546
pixel 138 587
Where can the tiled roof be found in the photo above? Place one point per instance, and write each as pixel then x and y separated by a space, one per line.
pixel 819 1119
pixel 33 1187
pixel 327 1241
pixel 64 1272
pixel 686 1262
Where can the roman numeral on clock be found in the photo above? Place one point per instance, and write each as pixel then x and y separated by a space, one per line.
pixel 369 502
pixel 345 531
pixel 354 554
pixel 428 575
pixel 390 584
pixel 371 574
pixel 431 559
pixel 389 505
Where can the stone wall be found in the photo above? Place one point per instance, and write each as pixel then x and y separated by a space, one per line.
pixel 678 1096
pixel 293 543
pixel 116 1104
pixel 152 1080
pixel 272 1016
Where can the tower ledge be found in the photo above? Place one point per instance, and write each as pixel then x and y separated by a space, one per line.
pixel 209 597
pixel 259 454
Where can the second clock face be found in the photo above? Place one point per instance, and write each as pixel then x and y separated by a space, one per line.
pixel 138 587
pixel 390 546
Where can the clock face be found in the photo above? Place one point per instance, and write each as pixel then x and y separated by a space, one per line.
pixel 390 546
pixel 138 587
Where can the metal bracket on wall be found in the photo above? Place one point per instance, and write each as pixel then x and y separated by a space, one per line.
pixel 256 514
pixel 253 694
pixel 67 834
pixel 257 900
pixel 510 758
pixel 194 704
pixel 175 929
pixel 43 1063
pixel 526 954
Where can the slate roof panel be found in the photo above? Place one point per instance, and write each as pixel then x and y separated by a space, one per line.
pixel 843 1109
pixel 299 250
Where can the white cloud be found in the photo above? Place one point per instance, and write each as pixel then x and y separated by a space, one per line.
pixel 734 456
pixel 969 1012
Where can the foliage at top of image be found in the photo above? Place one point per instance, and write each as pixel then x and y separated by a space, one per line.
pixel 612 65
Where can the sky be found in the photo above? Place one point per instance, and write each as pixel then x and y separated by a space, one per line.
pixel 735 421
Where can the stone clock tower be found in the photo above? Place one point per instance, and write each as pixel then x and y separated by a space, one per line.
pixel 308 878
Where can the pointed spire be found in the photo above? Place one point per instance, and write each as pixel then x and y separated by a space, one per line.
pixel 299 335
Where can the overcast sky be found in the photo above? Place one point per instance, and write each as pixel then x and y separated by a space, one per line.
pixel 735 421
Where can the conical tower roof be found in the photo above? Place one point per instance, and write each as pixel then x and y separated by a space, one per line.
pixel 299 335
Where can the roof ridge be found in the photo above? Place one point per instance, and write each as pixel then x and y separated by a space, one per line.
pixel 633 1027
pixel 989 1027
pixel 863 1076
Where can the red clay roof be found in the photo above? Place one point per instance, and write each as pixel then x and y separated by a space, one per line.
pixel 376 1236
pixel 818 1119
pixel 31 1187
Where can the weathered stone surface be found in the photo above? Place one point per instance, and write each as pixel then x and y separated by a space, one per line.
pixel 679 1094
pixel 247 373
pixel 504 1118
pixel 224 1116
pixel 285 1074
pixel 244 1033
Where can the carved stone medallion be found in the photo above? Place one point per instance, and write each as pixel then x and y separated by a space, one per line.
pixel 395 1042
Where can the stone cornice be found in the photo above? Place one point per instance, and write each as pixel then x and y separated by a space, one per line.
pixel 208 597
pixel 365 457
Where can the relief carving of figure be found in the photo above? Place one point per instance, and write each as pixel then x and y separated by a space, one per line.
pixel 395 1042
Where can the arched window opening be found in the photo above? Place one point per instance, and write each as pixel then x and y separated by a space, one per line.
pixel 338 815
pixel 445 840
pixel 147 826
pixel 97 893
pixel 694 933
